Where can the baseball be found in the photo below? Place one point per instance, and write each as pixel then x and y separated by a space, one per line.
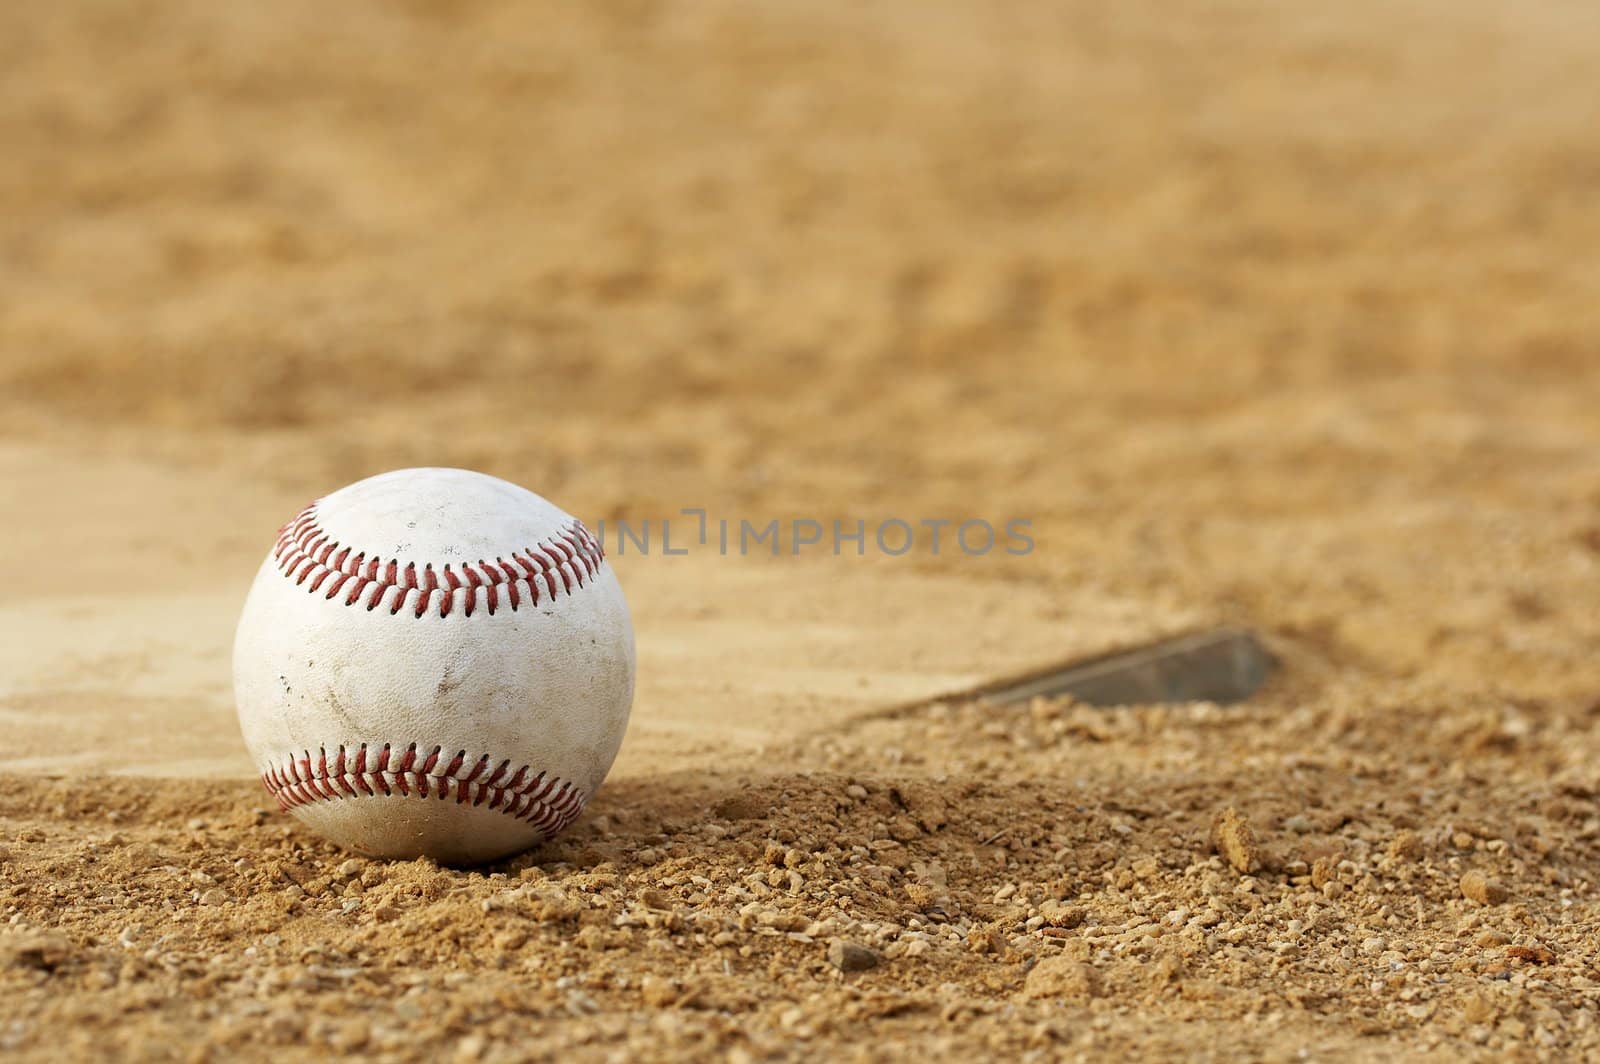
pixel 434 662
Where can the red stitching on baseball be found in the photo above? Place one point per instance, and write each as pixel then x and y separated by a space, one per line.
pixel 564 562
pixel 548 803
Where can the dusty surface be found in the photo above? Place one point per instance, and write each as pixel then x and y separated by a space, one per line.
pixel 1271 316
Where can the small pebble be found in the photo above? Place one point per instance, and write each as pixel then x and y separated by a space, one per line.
pixel 1232 838
pixel 1483 889
pixel 851 956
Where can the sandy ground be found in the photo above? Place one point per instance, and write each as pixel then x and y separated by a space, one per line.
pixel 1274 315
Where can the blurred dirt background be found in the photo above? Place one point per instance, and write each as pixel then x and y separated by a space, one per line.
pixel 1280 314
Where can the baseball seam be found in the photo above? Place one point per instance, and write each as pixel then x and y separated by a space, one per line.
pixel 313 559
pixel 543 801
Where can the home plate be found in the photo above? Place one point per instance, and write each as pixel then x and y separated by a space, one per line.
pixel 1221 665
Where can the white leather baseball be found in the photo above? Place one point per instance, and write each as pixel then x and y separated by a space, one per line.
pixel 434 662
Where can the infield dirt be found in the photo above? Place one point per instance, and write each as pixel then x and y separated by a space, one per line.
pixel 1281 316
